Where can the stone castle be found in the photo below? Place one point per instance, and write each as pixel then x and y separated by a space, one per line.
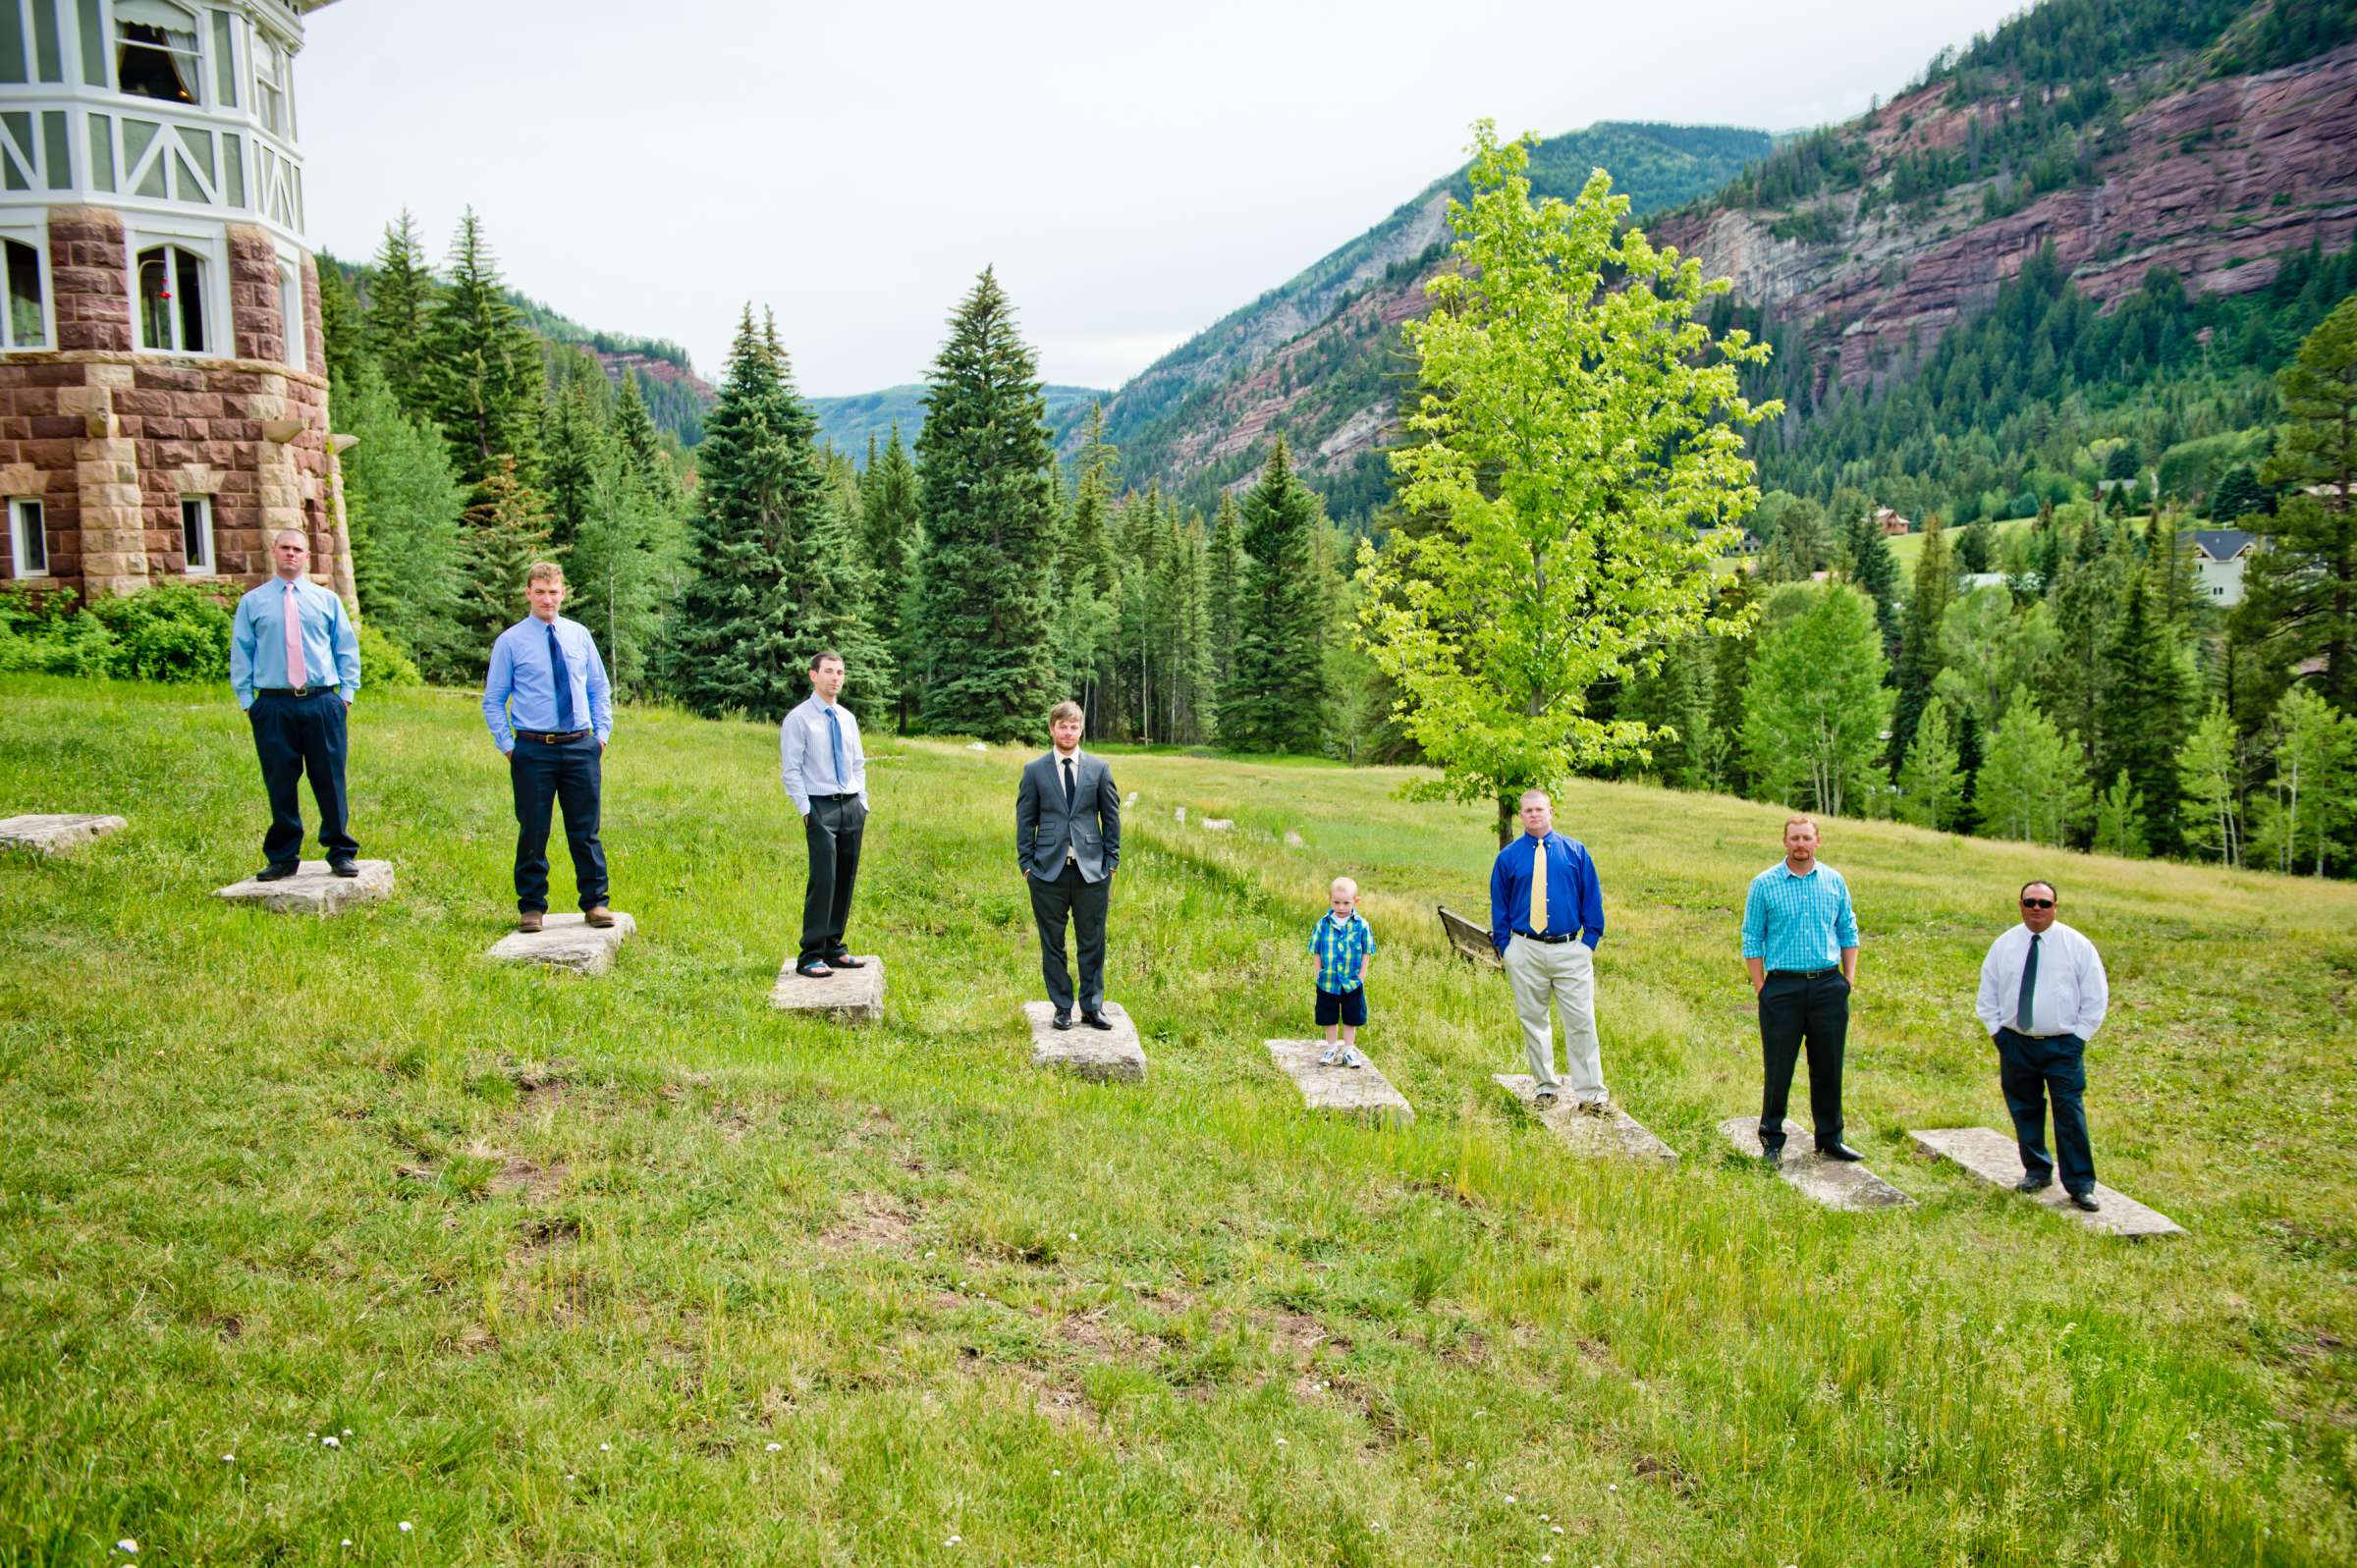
pixel 163 385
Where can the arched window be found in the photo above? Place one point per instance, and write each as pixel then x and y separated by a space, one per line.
pixel 172 299
pixel 155 51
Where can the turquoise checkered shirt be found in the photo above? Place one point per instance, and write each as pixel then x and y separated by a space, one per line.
pixel 1339 949
pixel 1794 922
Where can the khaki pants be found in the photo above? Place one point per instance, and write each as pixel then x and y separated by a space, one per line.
pixel 1563 974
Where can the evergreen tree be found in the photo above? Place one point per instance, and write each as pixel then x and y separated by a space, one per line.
pixel 483 374
pixel 1973 554
pixel 404 506
pixel 832 595
pixel 507 530
pixel 1275 700
pixel 1920 656
pixel 1875 571
pixel 2142 723
pixel 1227 585
pixel 1931 777
pixel 2302 587
pixel 2033 785
pixel 1676 701
pixel 731 648
pixel 2238 495
pixel 2210 777
pixel 398 323
pixel 892 538
pixel 982 462
pixel 343 328
pixel 579 456
pixel 1815 707
pixel 643 445
pixel 1730 673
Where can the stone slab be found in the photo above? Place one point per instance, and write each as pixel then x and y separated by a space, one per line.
pixel 1352 1089
pixel 566 942
pixel 1995 1157
pixel 314 890
pixel 1835 1183
pixel 1614 1132
pixel 1110 1055
pixel 848 996
pixel 50 834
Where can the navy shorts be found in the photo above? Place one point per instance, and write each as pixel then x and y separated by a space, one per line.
pixel 1349 1007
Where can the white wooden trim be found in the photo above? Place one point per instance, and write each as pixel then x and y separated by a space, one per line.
pixel 213 559
pixel 35 235
pixel 16 536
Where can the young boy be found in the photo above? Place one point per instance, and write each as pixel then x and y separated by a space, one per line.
pixel 1341 942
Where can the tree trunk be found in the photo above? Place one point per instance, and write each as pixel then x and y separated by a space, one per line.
pixel 1507 810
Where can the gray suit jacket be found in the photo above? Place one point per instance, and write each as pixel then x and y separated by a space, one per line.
pixel 1092 827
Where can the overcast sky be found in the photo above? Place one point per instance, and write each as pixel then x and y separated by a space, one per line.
pixel 1134 172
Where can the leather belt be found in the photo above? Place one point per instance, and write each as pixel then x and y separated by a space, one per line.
pixel 1552 942
pixel 550 737
pixel 292 691
pixel 1807 974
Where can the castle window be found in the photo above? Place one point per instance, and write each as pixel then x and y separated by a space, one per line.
pixel 290 310
pixel 172 299
pixel 27 541
pixel 197 535
pixel 155 51
pixel 26 325
pixel 273 84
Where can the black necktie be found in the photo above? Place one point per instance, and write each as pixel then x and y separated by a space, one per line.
pixel 2029 988
pixel 1067 784
pixel 564 679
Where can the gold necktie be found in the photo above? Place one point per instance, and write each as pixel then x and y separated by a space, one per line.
pixel 1538 889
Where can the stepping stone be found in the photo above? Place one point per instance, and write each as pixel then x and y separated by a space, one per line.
pixel 1352 1089
pixel 1615 1132
pixel 1108 1055
pixel 566 942
pixel 1835 1183
pixel 1293 839
pixel 49 834
pixel 1182 813
pixel 1219 823
pixel 314 890
pixel 848 996
pixel 1995 1157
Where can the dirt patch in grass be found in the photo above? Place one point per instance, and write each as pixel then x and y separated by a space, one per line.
pixel 520 1177
pixel 874 1225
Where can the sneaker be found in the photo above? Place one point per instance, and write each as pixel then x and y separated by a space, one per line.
pixel 1351 1058
pixel 1332 1056
pixel 1545 1096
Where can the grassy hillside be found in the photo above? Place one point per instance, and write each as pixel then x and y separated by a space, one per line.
pixel 634 1271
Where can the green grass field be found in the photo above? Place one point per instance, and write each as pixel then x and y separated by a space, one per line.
pixel 636 1270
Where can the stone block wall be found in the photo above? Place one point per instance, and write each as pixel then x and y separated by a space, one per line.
pixel 111 438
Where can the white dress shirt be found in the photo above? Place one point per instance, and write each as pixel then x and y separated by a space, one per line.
pixel 2071 995
pixel 807 754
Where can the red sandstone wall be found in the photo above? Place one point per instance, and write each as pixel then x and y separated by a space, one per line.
pixel 90 275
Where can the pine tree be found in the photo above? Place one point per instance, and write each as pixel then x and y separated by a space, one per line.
pixel 401 302
pixel 2141 722
pixel 343 328
pixel 484 378
pixel 833 594
pixel 642 443
pixel 1931 777
pixel 2238 495
pixel 403 505
pixel 1227 584
pixel 1920 655
pixel 982 462
pixel 1874 570
pixel 731 648
pixel 2303 586
pixel 1275 700
pixel 507 530
pixel 578 454
pixel 893 539
pixel 2034 784
pixel 1731 672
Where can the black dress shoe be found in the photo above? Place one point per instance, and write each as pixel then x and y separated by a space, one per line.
pixel 275 873
pixel 2085 1201
pixel 1840 1151
pixel 844 960
pixel 1772 1155
pixel 1063 1020
pixel 344 866
pixel 1096 1021
pixel 2033 1184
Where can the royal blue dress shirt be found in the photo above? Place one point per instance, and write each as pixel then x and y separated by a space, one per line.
pixel 1574 898
pixel 521 688
pixel 257 641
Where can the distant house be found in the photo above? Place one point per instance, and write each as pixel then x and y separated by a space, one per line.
pixel 2218 555
pixel 1891 522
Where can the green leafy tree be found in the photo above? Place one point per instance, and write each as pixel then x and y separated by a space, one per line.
pixel 2314 796
pixel 2119 820
pixel 1988 649
pixel 484 378
pixel 1815 708
pixel 1275 698
pixel 2033 783
pixel 983 461
pixel 403 505
pixel 2210 778
pixel 2302 587
pixel 1578 440
pixel 398 325
pixel 1931 777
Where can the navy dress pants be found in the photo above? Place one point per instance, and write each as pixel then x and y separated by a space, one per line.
pixel 566 772
pixel 293 736
pixel 2033 1072
pixel 1797 1009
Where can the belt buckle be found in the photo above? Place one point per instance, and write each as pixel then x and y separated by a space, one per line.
pixel 300 691
pixel 548 738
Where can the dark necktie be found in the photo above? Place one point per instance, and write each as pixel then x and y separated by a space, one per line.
pixel 564 679
pixel 1067 785
pixel 2029 988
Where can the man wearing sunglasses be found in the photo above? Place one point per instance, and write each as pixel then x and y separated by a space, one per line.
pixel 2043 996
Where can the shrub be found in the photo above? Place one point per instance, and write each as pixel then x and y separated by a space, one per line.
pixel 44 633
pixel 172 632
pixel 384 666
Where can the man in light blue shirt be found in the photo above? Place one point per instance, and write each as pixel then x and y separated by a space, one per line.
pixel 825 773
pixel 294 664
pixel 1800 944
pixel 550 712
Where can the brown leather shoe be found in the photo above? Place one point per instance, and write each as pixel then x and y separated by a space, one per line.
pixel 599 916
pixel 529 920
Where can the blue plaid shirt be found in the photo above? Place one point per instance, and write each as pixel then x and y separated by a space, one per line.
pixel 1340 950
pixel 1798 922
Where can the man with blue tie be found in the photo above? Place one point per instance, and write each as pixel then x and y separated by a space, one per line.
pixel 2043 996
pixel 1546 918
pixel 550 712
pixel 825 773
pixel 294 664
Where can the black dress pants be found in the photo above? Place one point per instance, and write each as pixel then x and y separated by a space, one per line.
pixel 569 773
pixel 1083 904
pixel 293 736
pixel 1797 1008
pixel 2034 1071
pixel 833 832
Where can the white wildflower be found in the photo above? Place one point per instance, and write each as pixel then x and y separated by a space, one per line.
pixel 404 1527
pixel 775 1447
pixel 330 1441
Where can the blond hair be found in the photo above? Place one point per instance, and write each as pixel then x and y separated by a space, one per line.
pixel 1339 884
pixel 545 571
pixel 1797 821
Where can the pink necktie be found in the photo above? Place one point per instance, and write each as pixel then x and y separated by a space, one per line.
pixel 296 674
